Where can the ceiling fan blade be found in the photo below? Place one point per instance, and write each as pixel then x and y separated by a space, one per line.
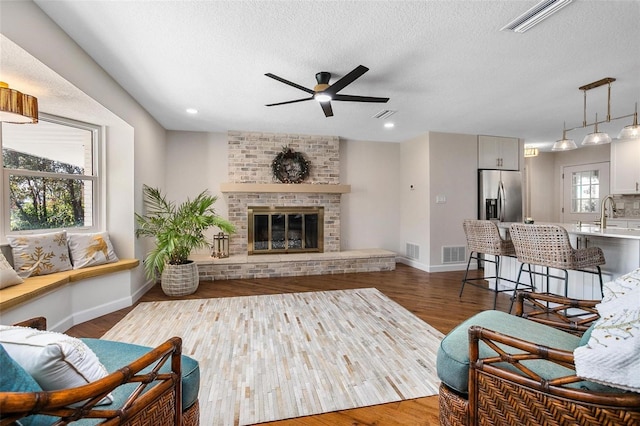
pixel 346 80
pixel 282 80
pixel 326 107
pixel 290 102
pixel 352 98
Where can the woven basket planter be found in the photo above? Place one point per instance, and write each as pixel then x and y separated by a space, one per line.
pixel 180 280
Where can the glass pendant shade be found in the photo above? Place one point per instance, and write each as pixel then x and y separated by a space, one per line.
pixel 632 131
pixel 596 138
pixel 564 144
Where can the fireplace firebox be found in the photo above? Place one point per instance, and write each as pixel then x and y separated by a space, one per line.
pixel 285 229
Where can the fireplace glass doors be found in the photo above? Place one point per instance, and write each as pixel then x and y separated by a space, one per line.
pixel 285 229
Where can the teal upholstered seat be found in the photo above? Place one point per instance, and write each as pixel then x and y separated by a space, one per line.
pixel 453 354
pixel 115 355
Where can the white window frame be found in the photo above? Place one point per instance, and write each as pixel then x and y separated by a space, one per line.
pixel 95 178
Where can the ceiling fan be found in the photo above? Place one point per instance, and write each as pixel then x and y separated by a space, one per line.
pixel 324 93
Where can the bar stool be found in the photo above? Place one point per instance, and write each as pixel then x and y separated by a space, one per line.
pixel 549 246
pixel 483 237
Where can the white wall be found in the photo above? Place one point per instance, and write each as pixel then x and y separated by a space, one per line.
pixel 370 213
pixel 414 199
pixel 197 161
pixel 545 178
pixel 135 145
pixel 453 176
pixel 539 174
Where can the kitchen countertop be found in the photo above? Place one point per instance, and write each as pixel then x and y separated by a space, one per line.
pixel 590 229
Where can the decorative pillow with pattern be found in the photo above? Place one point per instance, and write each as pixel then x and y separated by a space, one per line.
pixel 40 254
pixel 8 275
pixel 90 249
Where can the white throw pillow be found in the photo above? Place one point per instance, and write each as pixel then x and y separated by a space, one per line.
pixel 621 286
pixel 90 249
pixel 40 254
pixel 54 360
pixel 8 275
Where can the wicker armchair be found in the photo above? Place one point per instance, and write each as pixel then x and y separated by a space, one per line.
pixel 503 390
pixel 483 238
pixel 548 245
pixel 153 396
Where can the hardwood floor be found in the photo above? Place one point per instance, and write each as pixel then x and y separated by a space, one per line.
pixel 433 297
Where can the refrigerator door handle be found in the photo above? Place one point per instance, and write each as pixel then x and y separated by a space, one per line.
pixel 501 201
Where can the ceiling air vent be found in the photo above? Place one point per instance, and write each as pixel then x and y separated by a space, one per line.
pixel 535 15
pixel 385 113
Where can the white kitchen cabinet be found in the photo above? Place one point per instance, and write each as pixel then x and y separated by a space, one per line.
pixel 625 172
pixel 500 153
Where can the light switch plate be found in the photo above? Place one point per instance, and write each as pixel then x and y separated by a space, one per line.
pixel 441 199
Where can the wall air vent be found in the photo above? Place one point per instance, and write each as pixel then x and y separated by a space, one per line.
pixel 385 113
pixel 454 254
pixel 413 251
pixel 535 15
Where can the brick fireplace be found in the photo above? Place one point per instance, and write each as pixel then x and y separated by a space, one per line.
pixel 251 184
pixel 250 157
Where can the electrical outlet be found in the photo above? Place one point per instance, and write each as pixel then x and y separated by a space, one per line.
pixel 441 199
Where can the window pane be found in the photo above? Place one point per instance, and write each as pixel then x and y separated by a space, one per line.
pixel 47 147
pixel 45 203
pixel 585 191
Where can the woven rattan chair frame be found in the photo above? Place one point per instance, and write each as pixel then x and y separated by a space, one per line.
pixel 548 245
pixel 503 393
pixel 483 238
pixel 157 399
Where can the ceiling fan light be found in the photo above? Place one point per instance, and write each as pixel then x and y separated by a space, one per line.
pixel 564 144
pixel 322 97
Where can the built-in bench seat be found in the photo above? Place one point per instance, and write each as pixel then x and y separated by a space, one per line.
pixel 80 294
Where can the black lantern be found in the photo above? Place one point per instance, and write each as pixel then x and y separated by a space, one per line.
pixel 220 248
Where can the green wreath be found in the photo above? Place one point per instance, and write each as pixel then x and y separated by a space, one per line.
pixel 290 166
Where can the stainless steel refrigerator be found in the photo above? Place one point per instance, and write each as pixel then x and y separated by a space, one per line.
pixel 500 195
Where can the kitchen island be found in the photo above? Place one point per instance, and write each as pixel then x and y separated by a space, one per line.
pixel 621 247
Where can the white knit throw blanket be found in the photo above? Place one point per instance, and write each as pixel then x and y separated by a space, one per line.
pixel 612 355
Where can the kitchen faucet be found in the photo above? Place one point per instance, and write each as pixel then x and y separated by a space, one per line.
pixel 603 210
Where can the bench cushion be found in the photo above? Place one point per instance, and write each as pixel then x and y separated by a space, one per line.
pixel 453 355
pixel 115 355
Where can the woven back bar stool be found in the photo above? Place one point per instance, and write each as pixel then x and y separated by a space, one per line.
pixel 483 238
pixel 549 246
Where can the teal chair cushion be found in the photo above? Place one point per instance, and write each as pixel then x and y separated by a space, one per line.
pixel 13 378
pixel 115 355
pixel 453 355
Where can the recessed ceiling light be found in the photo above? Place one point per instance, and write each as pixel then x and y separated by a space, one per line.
pixel 389 125
pixel 192 111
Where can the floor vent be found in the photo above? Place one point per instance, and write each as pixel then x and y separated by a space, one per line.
pixel 454 254
pixel 413 251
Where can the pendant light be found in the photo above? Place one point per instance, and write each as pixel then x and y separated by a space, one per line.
pixel 596 138
pixel 564 144
pixel 16 107
pixel 631 131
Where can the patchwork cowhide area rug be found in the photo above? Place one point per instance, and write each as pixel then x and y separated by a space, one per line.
pixel 265 358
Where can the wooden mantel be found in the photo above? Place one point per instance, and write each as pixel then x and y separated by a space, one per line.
pixel 311 188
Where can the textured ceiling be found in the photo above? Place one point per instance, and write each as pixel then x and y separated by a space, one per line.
pixel 444 64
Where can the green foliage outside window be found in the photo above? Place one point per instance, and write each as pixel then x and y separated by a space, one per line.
pixel 40 200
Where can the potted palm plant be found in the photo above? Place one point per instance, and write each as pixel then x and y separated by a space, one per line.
pixel 177 229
